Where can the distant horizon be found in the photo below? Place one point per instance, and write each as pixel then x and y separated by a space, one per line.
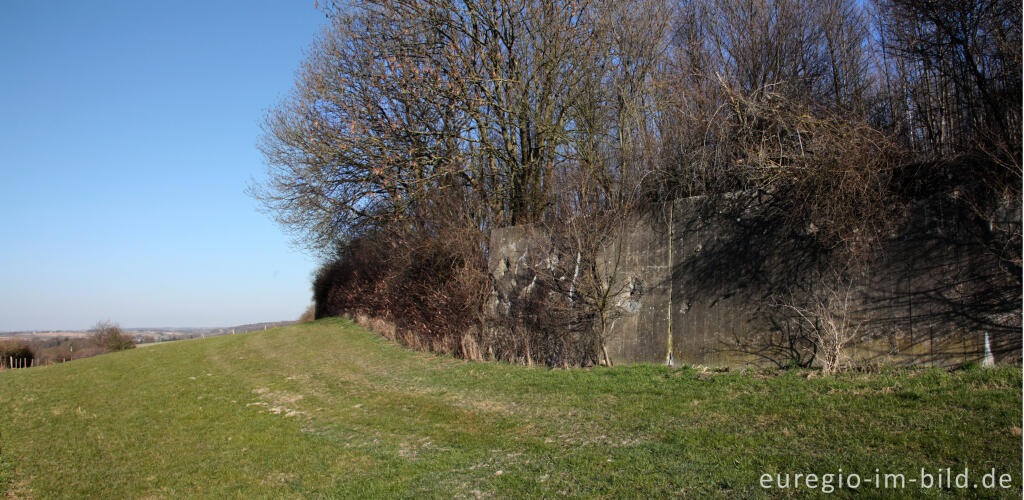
pixel 151 326
pixel 129 137
pixel 157 328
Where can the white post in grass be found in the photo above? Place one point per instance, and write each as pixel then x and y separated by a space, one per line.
pixel 988 361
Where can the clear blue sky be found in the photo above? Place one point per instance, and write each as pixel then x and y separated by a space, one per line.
pixel 128 134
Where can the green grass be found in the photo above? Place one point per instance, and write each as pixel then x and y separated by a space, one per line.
pixel 328 409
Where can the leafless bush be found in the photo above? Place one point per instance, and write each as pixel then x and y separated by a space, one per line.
pixel 110 337
pixel 833 171
pixel 810 53
pixel 828 313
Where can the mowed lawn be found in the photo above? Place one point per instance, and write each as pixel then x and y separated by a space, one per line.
pixel 328 409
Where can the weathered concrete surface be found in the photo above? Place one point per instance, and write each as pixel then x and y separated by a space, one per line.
pixel 639 333
pixel 710 284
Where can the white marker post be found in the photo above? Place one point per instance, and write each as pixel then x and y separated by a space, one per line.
pixel 988 361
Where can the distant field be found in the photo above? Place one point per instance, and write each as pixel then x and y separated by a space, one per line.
pixel 328 409
pixel 144 335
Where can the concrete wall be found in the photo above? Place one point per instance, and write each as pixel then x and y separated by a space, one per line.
pixel 708 279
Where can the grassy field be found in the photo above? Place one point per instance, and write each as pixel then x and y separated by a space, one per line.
pixel 328 409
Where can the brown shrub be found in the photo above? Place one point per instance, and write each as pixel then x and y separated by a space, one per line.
pixel 430 289
pixel 429 293
pixel 309 314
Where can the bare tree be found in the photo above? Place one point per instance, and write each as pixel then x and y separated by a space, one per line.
pixel 423 119
pixel 590 274
pixel 954 76
pixel 110 337
pixel 400 99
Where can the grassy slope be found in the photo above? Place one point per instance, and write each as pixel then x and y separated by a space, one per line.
pixel 327 408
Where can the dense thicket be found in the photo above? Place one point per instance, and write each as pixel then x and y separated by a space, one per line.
pixel 418 126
